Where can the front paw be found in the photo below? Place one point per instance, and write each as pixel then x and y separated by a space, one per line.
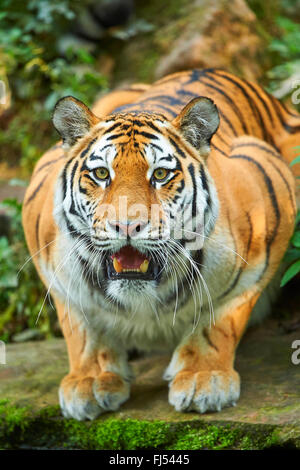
pixel 204 390
pixel 83 397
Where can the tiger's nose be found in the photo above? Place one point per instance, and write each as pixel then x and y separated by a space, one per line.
pixel 129 229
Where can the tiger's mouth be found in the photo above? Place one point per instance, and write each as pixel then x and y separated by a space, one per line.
pixel 129 263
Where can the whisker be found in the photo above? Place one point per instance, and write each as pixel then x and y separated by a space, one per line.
pixel 219 243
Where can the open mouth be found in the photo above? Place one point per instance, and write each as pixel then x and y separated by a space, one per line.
pixel 129 263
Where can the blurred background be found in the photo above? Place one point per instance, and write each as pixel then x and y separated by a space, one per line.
pixel 53 48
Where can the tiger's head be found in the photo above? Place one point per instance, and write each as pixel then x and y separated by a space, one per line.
pixel 136 196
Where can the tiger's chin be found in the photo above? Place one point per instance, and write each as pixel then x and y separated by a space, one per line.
pixel 133 295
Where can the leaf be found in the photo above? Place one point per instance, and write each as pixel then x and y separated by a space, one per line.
pixel 291 255
pixel 296 239
pixel 291 272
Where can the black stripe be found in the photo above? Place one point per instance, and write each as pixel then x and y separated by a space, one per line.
pixel 250 233
pixel 177 148
pixel 278 109
pixel 187 93
pixel 51 162
pixel 239 272
pixel 140 108
pixel 65 177
pixel 267 136
pixel 194 203
pixel 37 227
pixel 115 136
pixel 270 238
pixel 155 128
pixel 259 95
pixel 157 147
pixel 132 89
pixel 291 197
pixel 196 74
pixel 205 183
pixel 227 98
pixel 219 150
pixel 209 341
pixel 290 112
pixel 73 208
pixel 35 192
pixel 228 122
pixel 90 274
pixel 233 283
pixel 165 99
pixel 158 106
pixel 250 101
pixel 83 154
pixel 147 135
pixel 218 135
pixel 267 180
pixel 95 157
pixel 260 146
pixel 112 127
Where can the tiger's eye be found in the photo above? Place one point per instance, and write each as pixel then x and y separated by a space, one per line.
pixel 101 173
pixel 160 173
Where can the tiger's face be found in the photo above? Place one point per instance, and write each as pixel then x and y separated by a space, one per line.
pixel 136 192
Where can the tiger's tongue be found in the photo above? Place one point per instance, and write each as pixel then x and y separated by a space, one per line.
pixel 129 258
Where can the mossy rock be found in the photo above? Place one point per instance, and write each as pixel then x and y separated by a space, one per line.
pixel 20 428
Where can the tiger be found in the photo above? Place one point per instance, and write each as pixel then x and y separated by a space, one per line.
pixel 210 152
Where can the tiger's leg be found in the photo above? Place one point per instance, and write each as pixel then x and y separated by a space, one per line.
pixel 201 373
pixel 99 377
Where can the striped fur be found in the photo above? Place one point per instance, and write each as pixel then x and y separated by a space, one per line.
pixel 239 198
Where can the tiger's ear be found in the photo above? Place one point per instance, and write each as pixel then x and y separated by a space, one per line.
pixel 72 119
pixel 198 121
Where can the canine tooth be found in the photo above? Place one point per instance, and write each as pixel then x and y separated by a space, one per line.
pixel 144 266
pixel 117 265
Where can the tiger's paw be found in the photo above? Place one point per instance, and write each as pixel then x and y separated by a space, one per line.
pixel 204 390
pixel 87 397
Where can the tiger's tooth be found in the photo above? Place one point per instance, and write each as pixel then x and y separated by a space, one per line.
pixel 144 266
pixel 117 265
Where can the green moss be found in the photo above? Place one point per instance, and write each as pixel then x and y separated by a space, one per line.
pixel 207 437
pixel 225 436
pixel 12 419
pixel 47 429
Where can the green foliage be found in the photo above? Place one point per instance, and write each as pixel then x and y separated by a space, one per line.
pixel 293 254
pixel 21 293
pixel 286 56
pixel 37 74
pixel 15 417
